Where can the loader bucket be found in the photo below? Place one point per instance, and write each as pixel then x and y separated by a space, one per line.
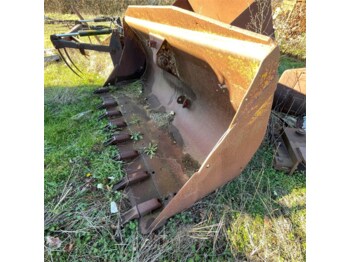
pixel 207 92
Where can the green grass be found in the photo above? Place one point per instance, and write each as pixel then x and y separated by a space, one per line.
pixel 287 62
pixel 260 216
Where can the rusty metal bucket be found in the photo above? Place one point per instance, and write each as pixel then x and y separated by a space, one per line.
pixel 290 95
pixel 213 85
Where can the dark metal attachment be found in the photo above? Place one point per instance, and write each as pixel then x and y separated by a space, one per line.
pixel 69 40
pixel 66 62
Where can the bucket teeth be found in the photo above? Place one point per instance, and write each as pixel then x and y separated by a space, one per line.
pixel 107 104
pixel 127 155
pixel 140 210
pixel 117 139
pixel 110 113
pixel 131 179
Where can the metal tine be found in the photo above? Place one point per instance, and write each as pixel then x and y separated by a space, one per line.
pixel 64 60
pixel 70 59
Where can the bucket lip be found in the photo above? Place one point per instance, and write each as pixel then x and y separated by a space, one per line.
pixel 260 38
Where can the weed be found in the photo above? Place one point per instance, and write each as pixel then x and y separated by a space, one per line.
pixel 136 136
pixel 151 149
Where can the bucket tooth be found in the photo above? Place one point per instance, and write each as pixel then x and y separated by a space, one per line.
pixel 107 104
pixel 110 113
pixel 117 139
pixel 127 155
pixel 131 179
pixel 115 123
pixel 102 90
pixel 140 210
pixel 107 98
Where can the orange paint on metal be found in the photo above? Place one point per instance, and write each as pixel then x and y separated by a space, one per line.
pixel 224 10
pixel 294 79
pixel 225 48
pixel 243 62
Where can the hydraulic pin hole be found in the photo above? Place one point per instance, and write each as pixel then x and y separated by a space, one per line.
pixel 181 99
pixel 186 103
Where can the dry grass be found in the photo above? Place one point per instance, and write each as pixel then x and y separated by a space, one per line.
pixel 98 7
pixel 290 28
